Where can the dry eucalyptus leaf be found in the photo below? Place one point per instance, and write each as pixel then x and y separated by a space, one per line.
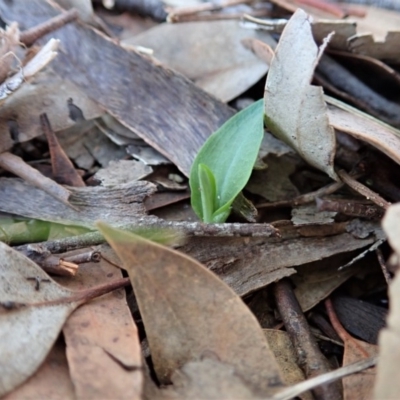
pixel 387 385
pixel 27 333
pixel 103 348
pixel 317 280
pixel 188 313
pixel 209 52
pixel 207 379
pixel 364 127
pixel 296 111
pixel 285 355
pixel 358 386
pixel 51 380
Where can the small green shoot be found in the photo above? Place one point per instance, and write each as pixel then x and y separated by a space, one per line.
pixel 224 164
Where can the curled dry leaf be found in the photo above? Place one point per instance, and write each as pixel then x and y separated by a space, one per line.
pixel 189 313
pixel 27 333
pixel 296 111
pixel 364 127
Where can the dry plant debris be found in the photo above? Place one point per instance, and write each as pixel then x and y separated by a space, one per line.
pixel 111 287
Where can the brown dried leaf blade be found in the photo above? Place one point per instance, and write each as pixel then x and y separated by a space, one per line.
pixel 189 313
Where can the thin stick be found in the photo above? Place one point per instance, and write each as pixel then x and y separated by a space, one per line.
pixel 182 228
pixel 30 36
pixel 363 190
pixel 297 389
pixel 309 357
pixel 19 167
pixel 304 198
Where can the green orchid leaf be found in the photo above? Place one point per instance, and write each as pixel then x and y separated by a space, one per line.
pixel 229 154
pixel 222 214
pixel 208 192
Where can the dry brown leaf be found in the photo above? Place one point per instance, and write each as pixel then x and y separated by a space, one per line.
pixel 209 53
pixel 296 111
pixel 316 281
pixel 27 333
pixel 364 127
pixel 358 386
pixel 285 355
pixel 189 313
pixel 207 379
pixel 387 384
pixel 103 348
pixel 51 381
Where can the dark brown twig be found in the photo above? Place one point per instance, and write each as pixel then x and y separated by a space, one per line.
pixel 30 36
pixel 363 190
pixel 304 198
pixel 310 359
pixel 350 207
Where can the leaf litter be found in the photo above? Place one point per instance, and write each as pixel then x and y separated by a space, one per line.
pixel 112 111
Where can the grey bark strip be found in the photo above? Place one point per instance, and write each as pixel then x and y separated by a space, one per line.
pixel 163 107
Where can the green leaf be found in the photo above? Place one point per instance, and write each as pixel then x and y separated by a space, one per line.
pixel 208 192
pixel 229 154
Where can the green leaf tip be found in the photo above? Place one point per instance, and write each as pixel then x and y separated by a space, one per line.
pixel 224 164
pixel 164 236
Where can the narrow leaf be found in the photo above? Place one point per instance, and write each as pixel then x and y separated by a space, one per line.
pixel 188 312
pixel 295 110
pixel 230 154
pixel 208 192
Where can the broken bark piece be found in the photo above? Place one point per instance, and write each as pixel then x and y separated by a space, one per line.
pixel 165 109
pixel 17 166
pixel 117 205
